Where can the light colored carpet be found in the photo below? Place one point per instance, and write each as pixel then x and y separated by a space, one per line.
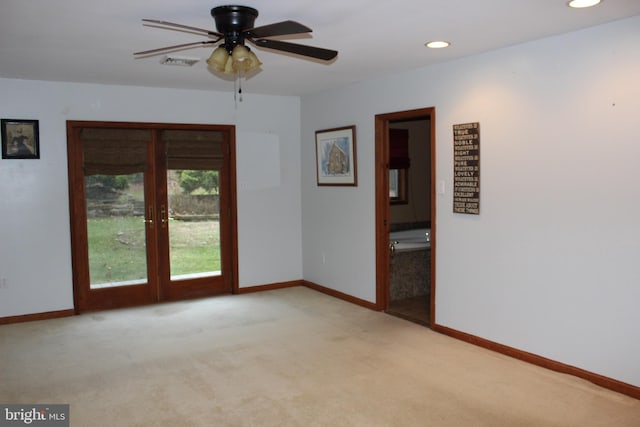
pixel 290 357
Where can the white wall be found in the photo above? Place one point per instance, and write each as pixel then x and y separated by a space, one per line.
pixel 35 257
pixel 550 266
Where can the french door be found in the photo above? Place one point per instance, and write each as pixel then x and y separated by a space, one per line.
pixel 152 212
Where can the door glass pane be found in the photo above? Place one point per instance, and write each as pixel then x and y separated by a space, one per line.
pixel 194 159
pixel 114 165
pixel 116 230
pixel 194 227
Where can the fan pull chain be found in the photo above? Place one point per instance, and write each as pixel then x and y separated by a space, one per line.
pixel 237 88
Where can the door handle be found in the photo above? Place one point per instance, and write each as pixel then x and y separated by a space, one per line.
pixel 163 216
pixel 149 219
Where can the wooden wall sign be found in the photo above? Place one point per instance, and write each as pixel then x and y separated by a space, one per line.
pixel 466 168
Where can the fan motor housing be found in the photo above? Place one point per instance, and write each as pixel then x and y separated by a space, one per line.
pixel 234 18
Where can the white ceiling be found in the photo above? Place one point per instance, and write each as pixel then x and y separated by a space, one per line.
pixel 93 41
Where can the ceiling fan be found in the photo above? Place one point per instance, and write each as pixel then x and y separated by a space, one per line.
pixel 235 25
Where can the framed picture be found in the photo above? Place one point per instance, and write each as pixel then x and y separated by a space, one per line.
pixel 336 156
pixel 20 139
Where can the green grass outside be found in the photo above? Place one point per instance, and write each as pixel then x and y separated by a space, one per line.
pixel 117 250
pixel 195 246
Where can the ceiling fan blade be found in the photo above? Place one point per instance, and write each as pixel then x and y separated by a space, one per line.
pixel 186 27
pixel 174 47
pixel 299 49
pixel 278 29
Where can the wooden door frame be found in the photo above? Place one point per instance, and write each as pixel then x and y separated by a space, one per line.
pixel 79 253
pixel 382 203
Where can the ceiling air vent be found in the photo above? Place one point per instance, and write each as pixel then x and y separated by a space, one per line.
pixel 179 60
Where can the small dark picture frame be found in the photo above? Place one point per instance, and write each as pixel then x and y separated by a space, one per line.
pixel 20 139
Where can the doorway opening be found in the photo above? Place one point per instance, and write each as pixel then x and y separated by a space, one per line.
pixel 153 212
pixel 405 214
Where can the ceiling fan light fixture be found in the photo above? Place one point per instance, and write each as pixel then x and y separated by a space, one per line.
pixel 218 59
pixel 228 68
pixel 240 56
pixel 254 62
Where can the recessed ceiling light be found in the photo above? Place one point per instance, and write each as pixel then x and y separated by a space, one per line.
pixel 579 4
pixel 437 44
